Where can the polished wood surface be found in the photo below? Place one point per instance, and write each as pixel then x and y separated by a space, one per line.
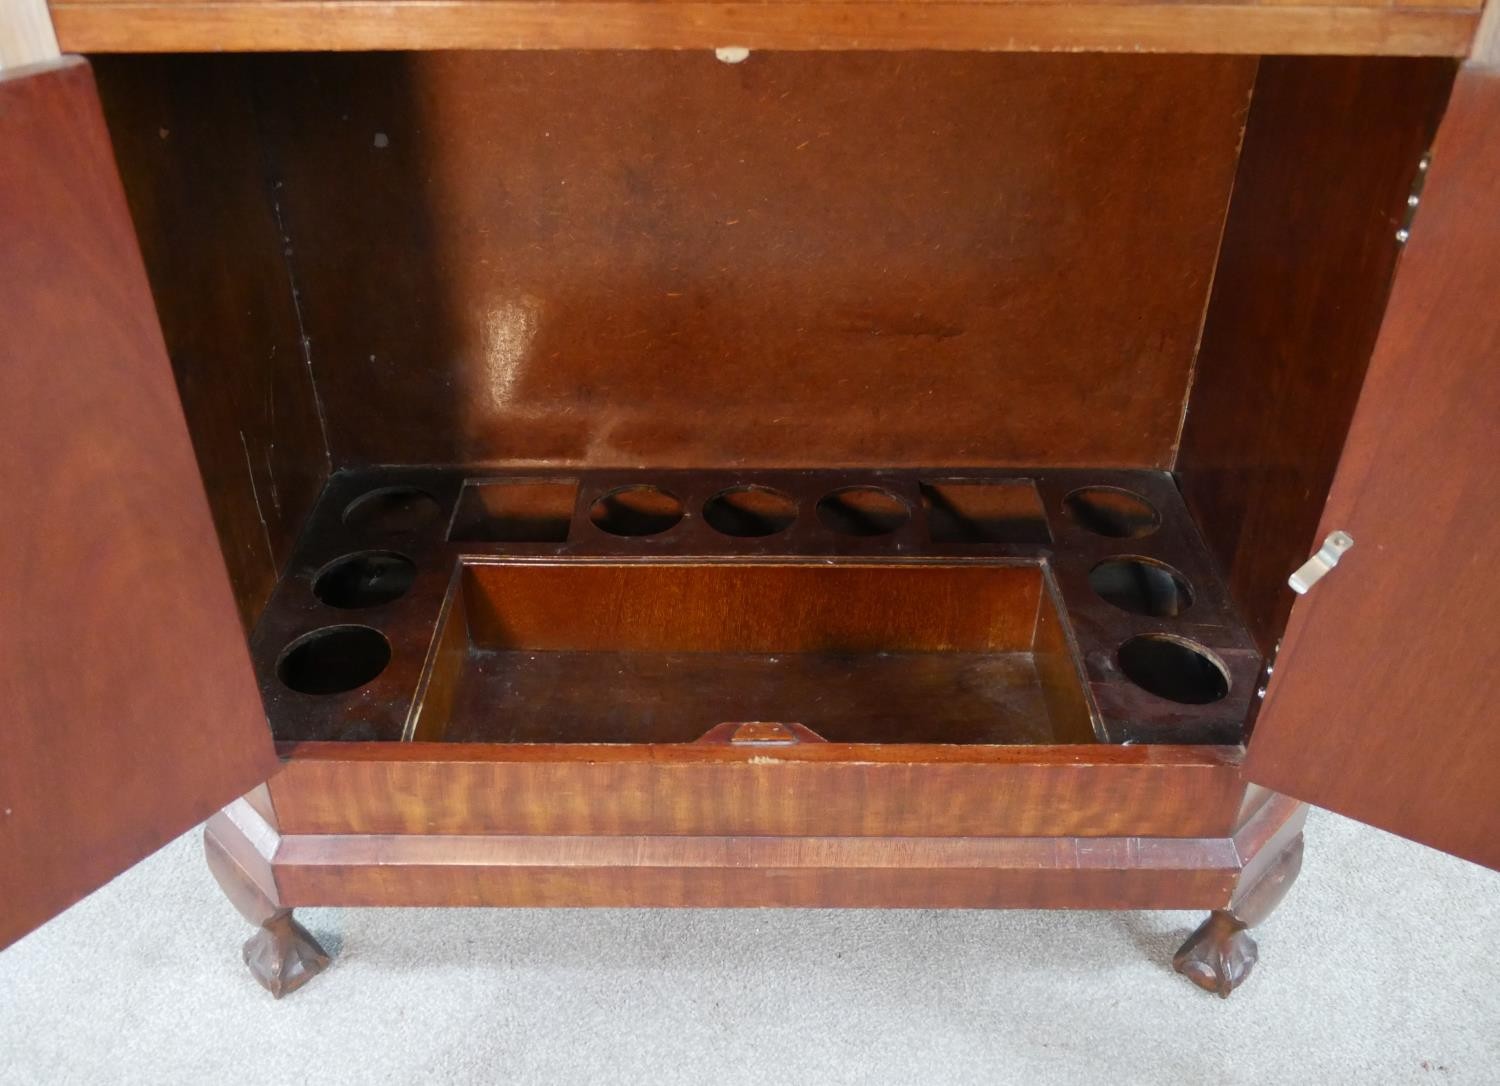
pixel 1382 704
pixel 1404 27
pixel 657 260
pixel 1083 790
pixel 581 652
pixel 753 607
pixel 186 139
pixel 1331 152
pixel 795 873
pixel 130 707
pixel 818 582
pixel 987 870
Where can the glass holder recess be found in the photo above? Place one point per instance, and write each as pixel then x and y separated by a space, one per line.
pixel 863 606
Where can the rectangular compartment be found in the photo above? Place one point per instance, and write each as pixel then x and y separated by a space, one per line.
pixel 514 511
pixel 996 511
pixel 617 652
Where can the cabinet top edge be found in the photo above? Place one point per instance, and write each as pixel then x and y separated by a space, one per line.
pixel 1353 27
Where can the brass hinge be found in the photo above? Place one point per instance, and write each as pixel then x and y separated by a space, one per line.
pixel 1414 199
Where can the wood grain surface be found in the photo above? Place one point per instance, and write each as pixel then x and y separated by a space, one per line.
pixel 189 152
pixel 1084 790
pixel 1406 27
pixel 656 260
pixel 986 871
pixel 130 707
pixel 1331 153
pixel 1382 707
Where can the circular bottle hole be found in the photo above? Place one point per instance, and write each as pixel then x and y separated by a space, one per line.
pixel 393 510
pixel 1173 668
pixel 636 510
pixel 333 660
pixel 1142 586
pixel 750 511
pixel 366 579
pixel 1111 511
pixel 863 510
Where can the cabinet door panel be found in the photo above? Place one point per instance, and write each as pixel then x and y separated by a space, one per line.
pixel 129 709
pixel 1384 701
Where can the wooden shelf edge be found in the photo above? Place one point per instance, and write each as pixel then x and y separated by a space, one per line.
pixel 150 26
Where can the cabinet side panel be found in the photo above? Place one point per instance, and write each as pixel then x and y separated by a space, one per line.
pixel 191 158
pixel 130 711
pixel 1331 151
pixel 1385 710
pixel 657 260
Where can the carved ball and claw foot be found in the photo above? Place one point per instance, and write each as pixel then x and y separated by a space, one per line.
pixel 1221 953
pixel 282 955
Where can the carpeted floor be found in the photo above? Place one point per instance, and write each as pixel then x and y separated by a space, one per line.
pixel 1379 967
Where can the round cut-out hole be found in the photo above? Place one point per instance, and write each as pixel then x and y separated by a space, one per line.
pixel 1142 586
pixel 636 510
pixel 366 579
pixel 393 510
pixel 1111 511
pixel 1174 668
pixel 750 511
pixel 863 510
pixel 333 660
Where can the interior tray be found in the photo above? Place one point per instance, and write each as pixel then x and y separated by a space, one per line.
pixel 665 652
pixel 649 606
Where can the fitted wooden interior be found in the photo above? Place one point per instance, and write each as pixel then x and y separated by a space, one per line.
pixel 857 653
pixel 626 606
pixel 581 261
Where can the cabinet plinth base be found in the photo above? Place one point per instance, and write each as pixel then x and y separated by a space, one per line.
pixel 266 873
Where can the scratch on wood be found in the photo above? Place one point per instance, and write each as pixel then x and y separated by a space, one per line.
pixel 255 493
pixel 271 477
pixel 303 338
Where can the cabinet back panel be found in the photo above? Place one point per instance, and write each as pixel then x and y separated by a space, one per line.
pixel 631 259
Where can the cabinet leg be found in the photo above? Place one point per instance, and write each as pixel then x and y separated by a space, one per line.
pixel 282 955
pixel 1220 954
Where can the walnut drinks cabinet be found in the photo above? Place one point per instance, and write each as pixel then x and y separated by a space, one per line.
pixel 534 453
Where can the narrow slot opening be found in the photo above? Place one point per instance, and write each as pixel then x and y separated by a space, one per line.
pixel 514 511
pixel 985 512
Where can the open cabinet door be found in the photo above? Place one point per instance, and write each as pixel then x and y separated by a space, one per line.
pixel 128 711
pixel 1385 701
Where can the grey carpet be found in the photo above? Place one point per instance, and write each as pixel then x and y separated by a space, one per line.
pixel 1379 968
